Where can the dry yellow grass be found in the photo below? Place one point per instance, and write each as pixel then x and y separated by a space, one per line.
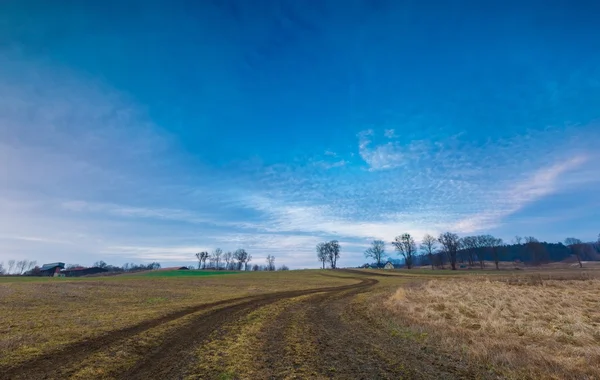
pixel 38 316
pixel 522 327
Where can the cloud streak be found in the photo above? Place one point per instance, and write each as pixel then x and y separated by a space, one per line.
pixel 543 182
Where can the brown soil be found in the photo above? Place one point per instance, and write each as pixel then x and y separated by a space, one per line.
pixel 170 358
pixel 317 334
pixel 341 340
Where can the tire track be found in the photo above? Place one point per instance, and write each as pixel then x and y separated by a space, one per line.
pixel 279 359
pixel 45 366
pixel 346 343
pixel 172 358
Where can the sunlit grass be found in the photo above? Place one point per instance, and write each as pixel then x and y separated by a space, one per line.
pixel 41 314
pixel 524 326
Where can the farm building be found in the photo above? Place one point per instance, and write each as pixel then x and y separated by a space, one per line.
pixel 52 269
pixel 77 272
pixel 388 265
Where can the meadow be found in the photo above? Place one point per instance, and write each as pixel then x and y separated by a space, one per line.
pixel 318 324
pixel 541 325
pixel 42 314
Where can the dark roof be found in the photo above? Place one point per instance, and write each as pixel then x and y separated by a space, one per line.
pixel 52 266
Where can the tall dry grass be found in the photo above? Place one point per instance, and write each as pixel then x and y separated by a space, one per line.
pixel 520 327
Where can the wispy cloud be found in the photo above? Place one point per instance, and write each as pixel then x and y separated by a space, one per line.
pixel 390 133
pixel 322 220
pixel 535 186
pixel 136 212
pixel 386 156
pixel 389 155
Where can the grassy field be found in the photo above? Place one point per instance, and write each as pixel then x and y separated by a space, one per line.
pixel 43 314
pixel 543 325
pixel 417 324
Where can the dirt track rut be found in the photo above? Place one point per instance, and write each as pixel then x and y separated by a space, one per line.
pixel 171 358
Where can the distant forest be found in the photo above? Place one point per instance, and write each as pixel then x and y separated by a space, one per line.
pixel 450 250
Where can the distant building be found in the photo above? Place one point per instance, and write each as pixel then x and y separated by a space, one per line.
pixel 52 269
pixel 79 271
pixel 388 265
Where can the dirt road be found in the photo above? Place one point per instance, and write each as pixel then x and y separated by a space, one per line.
pixel 171 356
pixel 322 334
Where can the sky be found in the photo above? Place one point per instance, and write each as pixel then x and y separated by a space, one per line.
pixel 139 131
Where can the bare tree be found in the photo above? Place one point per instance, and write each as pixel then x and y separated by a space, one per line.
pixel 2 270
pixel 468 245
pixel 227 256
pixel 530 239
pixel 428 247
pixel 376 251
pixel 31 264
pixel 212 262
pixel 576 247
pixel 11 266
pixel 517 240
pixel 405 245
pixel 495 244
pixel 322 253
pixel 483 243
pixel 248 259
pixel 333 253
pixel 217 257
pixel 283 267
pixel 329 252
pixel 270 262
pixel 21 265
pixel 206 256
pixel 255 268
pixel 200 256
pixel 242 257
pixel 450 243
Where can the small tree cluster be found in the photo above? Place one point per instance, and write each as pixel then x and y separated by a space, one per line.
pixel 329 252
pixel 19 267
pixel 218 259
pixel 132 267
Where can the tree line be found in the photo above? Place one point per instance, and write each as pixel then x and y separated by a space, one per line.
pixel 30 267
pixel 450 249
pixel 127 267
pixel 19 267
pixel 237 260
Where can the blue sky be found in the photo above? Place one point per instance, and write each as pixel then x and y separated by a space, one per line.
pixel 141 131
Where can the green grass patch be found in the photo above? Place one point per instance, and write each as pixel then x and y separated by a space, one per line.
pixel 185 273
